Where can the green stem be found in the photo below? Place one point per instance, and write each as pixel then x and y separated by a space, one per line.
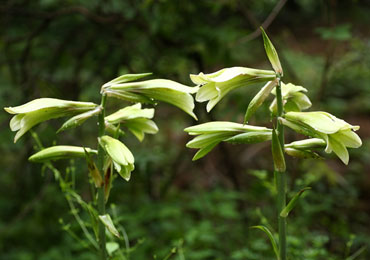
pixel 101 202
pixel 281 178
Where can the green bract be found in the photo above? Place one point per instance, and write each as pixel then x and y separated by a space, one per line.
pixel 259 99
pixel 136 119
pixel 337 133
pixel 212 133
pixel 60 152
pixel 271 53
pixel 215 86
pixel 122 158
pixel 148 91
pixel 293 98
pixel 42 109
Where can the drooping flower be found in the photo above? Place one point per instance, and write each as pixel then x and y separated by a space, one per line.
pixel 136 119
pixel 121 156
pixel 294 98
pixel 212 133
pixel 42 109
pixel 214 86
pixel 338 134
pixel 150 91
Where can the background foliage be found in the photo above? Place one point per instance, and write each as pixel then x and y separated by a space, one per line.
pixel 68 49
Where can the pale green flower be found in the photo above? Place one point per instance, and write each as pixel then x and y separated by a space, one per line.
pixel 337 133
pixel 212 133
pixel 294 98
pixel 136 119
pixel 150 91
pixel 42 109
pixel 121 156
pixel 214 86
pixel 60 152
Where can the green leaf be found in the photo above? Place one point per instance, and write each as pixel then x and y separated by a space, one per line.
pixel 79 119
pixel 285 212
pixel 271 237
pixel 60 152
pixel 259 99
pixel 277 153
pixel 108 223
pixel 93 170
pixel 271 53
pixel 122 158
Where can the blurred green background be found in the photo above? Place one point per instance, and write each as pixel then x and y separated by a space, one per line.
pixel 68 49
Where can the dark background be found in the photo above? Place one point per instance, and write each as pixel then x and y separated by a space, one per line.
pixel 68 49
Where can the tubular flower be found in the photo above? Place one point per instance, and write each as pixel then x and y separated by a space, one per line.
pixel 149 91
pixel 215 86
pixel 121 156
pixel 293 98
pixel 42 109
pixel 136 119
pixel 212 133
pixel 337 133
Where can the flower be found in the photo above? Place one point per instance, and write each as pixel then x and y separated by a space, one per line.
pixel 60 152
pixel 214 86
pixel 122 158
pixel 149 91
pixel 337 133
pixel 293 98
pixel 42 109
pixel 212 133
pixel 136 119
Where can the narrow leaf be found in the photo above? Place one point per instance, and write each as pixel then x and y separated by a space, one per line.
pixel 271 237
pixel 108 223
pixel 285 212
pixel 302 154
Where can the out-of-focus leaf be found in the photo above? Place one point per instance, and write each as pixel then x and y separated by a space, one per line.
pixel 285 212
pixel 272 239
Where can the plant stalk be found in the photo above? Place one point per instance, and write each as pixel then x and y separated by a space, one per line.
pixel 281 178
pixel 101 200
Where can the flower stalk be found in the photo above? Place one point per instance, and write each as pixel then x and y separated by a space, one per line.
pixel 101 199
pixel 281 177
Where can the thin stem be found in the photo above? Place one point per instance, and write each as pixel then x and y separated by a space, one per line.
pixel 281 178
pixel 101 202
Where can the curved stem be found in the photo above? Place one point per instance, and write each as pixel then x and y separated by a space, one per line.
pixel 101 202
pixel 281 178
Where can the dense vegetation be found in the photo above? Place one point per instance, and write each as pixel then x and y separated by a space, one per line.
pixel 68 49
